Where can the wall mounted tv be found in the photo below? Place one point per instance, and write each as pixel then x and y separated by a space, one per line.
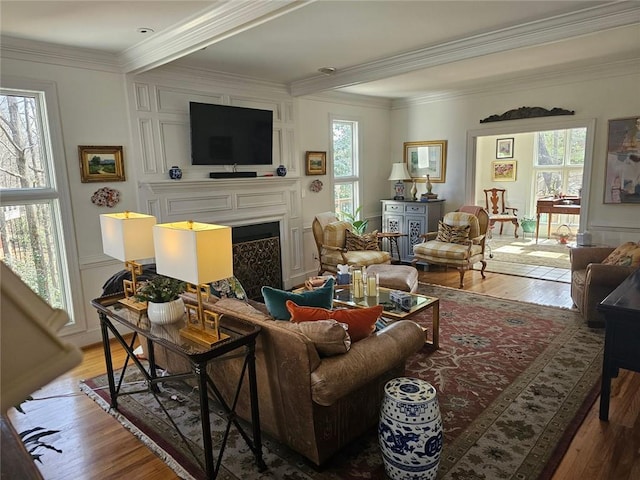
pixel 225 135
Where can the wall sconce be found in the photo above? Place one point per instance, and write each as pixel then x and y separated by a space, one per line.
pixel 128 236
pixel 196 253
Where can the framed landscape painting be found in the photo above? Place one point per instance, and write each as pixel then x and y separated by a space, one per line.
pixel 426 158
pixel 101 164
pixel 316 163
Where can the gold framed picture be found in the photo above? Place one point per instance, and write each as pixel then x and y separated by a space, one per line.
pixel 426 158
pixel 316 163
pixel 101 164
pixel 503 171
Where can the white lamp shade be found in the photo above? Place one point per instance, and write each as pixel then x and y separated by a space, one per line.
pixel 193 252
pixel 399 172
pixel 128 235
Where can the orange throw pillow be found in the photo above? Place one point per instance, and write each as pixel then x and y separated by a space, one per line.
pixel 361 321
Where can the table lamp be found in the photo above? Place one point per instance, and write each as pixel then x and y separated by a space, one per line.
pixel 128 236
pixel 196 253
pixel 399 173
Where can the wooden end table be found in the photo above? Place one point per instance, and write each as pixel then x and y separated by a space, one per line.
pixel 392 312
pixel 393 241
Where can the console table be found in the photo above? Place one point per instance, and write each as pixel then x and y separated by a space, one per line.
pixel 621 309
pixel 563 205
pixel 241 342
pixel 412 219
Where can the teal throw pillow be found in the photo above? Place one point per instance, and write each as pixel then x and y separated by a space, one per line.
pixel 275 299
pixel 228 288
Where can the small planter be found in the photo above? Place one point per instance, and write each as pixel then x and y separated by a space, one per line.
pixel 528 225
pixel 165 313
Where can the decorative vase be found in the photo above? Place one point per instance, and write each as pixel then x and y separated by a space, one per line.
pixel 429 185
pixel 165 313
pixel 410 429
pixel 175 173
pixel 414 190
pixel 281 170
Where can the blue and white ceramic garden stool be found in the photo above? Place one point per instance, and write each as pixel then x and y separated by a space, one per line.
pixel 410 429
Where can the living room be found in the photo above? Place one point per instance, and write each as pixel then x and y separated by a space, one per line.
pixel 95 103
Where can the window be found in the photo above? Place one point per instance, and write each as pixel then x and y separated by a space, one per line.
pixel 345 162
pixel 31 241
pixel 559 162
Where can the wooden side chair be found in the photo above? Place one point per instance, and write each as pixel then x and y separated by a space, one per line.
pixel 498 211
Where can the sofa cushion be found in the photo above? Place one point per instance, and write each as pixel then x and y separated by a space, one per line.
pixel 330 337
pixel 361 321
pixel 275 299
pixel 626 255
pixel 366 241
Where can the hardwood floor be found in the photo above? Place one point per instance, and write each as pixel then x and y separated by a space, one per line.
pixel 95 446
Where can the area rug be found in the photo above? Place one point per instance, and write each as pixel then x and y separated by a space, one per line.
pixel 514 382
pixel 525 251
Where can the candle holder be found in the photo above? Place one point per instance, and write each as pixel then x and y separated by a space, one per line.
pixel 371 285
pixel 357 283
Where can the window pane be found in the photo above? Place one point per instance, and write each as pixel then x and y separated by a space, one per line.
pixel 548 184
pixel 344 197
pixel 28 247
pixel 21 160
pixel 574 182
pixel 577 148
pixel 343 152
pixel 551 147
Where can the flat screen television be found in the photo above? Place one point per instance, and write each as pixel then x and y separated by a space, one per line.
pixel 225 135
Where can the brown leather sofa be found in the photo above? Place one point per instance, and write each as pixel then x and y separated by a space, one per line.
pixel 592 281
pixel 312 404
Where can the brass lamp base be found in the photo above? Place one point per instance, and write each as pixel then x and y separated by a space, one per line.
pixel 134 305
pixel 202 337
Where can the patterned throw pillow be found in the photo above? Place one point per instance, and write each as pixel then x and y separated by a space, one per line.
pixel 626 255
pixel 228 288
pixel 451 234
pixel 366 241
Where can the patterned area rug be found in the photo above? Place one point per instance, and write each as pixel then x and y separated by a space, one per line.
pixel 514 382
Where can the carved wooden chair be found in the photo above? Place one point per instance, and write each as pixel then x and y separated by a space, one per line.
pixel 498 211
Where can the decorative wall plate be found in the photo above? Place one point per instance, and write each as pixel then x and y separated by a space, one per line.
pixel 105 197
pixel 315 186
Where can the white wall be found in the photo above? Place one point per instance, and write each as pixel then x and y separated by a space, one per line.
pixel 595 96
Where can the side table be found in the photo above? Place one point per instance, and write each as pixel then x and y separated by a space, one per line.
pixel 241 342
pixel 392 237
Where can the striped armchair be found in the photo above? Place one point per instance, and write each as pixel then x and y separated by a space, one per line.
pixel 330 237
pixel 459 241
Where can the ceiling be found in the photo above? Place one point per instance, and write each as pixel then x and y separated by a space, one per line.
pixel 386 48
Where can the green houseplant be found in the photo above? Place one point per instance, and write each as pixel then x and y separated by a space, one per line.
pixel 162 295
pixel 359 226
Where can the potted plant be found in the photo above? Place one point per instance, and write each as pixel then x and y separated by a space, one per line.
pixel 359 226
pixel 528 224
pixel 162 294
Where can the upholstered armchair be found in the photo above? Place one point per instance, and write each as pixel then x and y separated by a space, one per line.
pixel 459 241
pixel 330 235
pixel 592 280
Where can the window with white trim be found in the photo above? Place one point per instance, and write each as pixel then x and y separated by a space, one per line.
pixel 31 234
pixel 345 165
pixel 559 162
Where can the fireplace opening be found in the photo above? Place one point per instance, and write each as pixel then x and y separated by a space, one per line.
pixel 257 257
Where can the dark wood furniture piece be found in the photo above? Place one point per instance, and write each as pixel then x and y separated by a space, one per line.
pixel 16 461
pixel 241 342
pixel 562 205
pixel 621 309
pixel 498 210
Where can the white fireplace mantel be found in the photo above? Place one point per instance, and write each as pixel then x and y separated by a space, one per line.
pixel 234 202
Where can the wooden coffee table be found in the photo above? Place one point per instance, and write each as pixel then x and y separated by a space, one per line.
pixel 342 296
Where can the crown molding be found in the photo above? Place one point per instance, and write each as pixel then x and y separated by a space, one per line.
pixel 42 52
pixel 617 68
pixel 347 98
pixel 590 20
pixel 207 27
